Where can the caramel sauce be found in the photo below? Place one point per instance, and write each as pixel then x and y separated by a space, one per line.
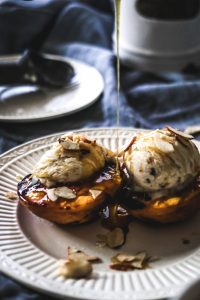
pixel 118 213
pixel 114 214
pixel 36 192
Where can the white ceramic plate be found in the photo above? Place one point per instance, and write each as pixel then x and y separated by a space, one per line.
pixel 30 247
pixel 27 104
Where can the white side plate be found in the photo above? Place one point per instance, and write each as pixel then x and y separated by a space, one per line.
pixel 27 104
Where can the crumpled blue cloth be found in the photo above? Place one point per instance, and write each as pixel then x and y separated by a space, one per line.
pixel 83 30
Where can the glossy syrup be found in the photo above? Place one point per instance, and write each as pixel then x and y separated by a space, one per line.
pixel 117 26
pixel 114 214
pixel 32 190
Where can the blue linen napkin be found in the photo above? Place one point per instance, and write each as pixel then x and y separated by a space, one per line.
pixel 83 30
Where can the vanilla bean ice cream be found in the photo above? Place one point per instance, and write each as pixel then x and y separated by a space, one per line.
pixel 73 158
pixel 160 162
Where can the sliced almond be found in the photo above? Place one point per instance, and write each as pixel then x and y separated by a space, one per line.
pixel 95 193
pixel 123 262
pixel 123 258
pixel 11 195
pixel 51 194
pixel 137 264
pixel 140 261
pixel 68 144
pixel 141 256
pixel 75 269
pixel 115 238
pixel 180 133
pixel 74 254
pixel 64 192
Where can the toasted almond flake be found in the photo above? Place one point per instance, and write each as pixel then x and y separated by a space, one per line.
pixel 123 262
pixel 137 265
pixel 115 238
pixel 74 254
pixel 141 255
pixel 141 260
pixel 75 269
pixel 51 194
pixel 123 258
pixel 68 144
pixel 11 195
pixel 95 193
pixel 182 140
pixel 64 192
pixel 180 133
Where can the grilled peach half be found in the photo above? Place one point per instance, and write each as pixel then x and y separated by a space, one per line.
pixel 178 207
pixel 69 203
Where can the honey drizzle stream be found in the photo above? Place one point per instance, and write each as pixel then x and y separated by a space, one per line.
pixel 117 25
pixel 114 215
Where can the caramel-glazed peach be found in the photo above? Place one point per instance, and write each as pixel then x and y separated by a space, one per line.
pixel 172 209
pixel 65 204
pixel 71 181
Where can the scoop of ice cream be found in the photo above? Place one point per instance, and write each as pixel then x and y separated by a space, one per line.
pixel 73 158
pixel 160 160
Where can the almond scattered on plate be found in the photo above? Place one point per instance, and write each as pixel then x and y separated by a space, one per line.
pixel 74 254
pixel 75 268
pixel 113 239
pixel 78 264
pixel 123 262
pixel 11 195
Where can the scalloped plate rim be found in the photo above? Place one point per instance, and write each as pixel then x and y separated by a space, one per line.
pixel 40 288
